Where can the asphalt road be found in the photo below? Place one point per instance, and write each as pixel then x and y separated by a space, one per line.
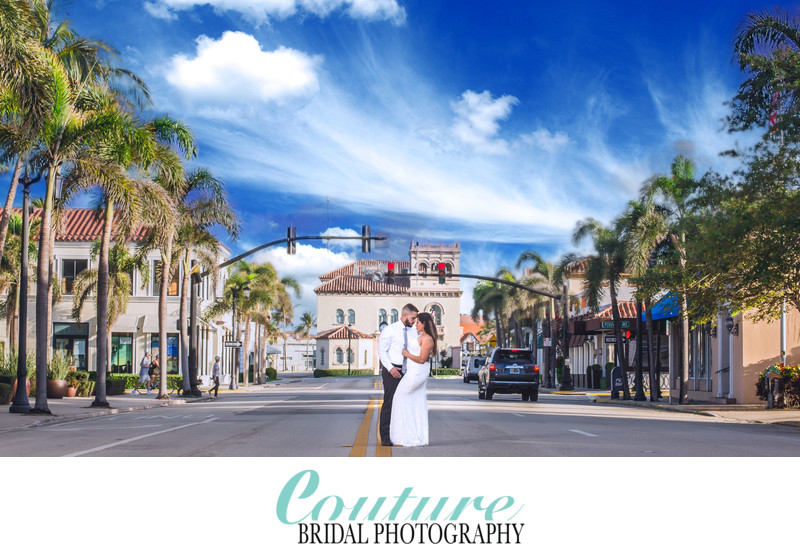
pixel 337 417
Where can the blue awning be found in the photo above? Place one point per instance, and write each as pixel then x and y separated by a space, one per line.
pixel 666 307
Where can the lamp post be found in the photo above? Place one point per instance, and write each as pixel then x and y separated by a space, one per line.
pixel 349 349
pixel 245 290
pixel 566 376
pixel 21 404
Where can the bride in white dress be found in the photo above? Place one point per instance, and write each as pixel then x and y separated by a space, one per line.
pixel 409 424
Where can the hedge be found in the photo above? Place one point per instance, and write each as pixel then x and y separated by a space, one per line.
pixel 174 381
pixel 271 373
pixel 318 373
pixel 445 372
pixel 788 388
pixel 5 393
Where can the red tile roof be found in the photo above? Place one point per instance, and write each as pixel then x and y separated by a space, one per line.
pixel 342 333
pixel 354 278
pixel 82 224
pixel 627 309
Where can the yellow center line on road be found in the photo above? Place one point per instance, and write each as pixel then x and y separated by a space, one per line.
pixel 360 446
pixel 382 450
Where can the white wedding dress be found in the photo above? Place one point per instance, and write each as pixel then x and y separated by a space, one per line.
pixel 409 424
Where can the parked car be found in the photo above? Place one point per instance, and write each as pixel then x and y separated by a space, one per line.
pixel 471 368
pixel 509 371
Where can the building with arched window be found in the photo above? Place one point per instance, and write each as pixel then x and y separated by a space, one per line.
pixel 350 290
pixel 346 342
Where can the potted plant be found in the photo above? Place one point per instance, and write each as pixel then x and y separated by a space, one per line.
pixel 57 371
pixel 74 380
pixel 8 372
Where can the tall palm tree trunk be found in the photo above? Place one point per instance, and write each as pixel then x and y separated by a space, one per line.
pixel 246 347
pixel 623 362
pixel 166 263
pixel 103 336
pixel 650 355
pixel 182 331
pixel 684 384
pixel 43 279
pixel 12 192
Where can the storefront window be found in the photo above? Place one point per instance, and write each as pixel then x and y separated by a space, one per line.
pixel 172 350
pixel 71 340
pixel 122 352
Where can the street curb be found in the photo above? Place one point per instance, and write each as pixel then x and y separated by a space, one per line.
pixel 107 412
pixel 652 406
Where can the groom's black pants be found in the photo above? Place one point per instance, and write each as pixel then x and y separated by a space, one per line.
pixel 390 384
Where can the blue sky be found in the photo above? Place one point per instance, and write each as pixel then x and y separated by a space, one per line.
pixel 495 124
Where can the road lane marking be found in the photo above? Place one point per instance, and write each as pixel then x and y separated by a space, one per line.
pixel 517 414
pixel 362 436
pixel 583 433
pixel 381 450
pixel 137 438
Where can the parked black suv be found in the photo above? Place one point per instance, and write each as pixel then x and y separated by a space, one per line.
pixel 509 371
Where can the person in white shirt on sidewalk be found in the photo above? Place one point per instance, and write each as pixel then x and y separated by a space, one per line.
pixel 394 338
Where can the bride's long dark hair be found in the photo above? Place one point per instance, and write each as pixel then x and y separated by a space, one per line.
pixel 430 328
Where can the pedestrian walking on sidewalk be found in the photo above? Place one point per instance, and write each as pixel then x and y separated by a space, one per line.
pixel 215 377
pixel 144 370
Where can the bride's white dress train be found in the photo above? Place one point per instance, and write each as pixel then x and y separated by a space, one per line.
pixel 409 424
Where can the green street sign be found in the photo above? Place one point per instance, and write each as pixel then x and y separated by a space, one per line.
pixel 610 325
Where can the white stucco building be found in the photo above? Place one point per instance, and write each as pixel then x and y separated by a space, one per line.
pixel 348 295
pixel 136 331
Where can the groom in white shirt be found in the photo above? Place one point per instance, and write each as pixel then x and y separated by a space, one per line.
pixel 394 338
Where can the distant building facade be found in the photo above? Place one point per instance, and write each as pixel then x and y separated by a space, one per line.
pixel 348 295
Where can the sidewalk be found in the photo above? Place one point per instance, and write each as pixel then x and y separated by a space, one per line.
pixel 752 414
pixel 78 408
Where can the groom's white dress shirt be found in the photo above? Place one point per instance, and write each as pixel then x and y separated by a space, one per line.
pixel 390 344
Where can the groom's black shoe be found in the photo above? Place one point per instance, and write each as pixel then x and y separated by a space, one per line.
pixel 387 443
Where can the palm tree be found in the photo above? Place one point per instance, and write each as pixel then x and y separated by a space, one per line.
pixel 203 204
pixel 489 299
pixel 121 266
pixel 675 195
pixel 604 268
pixel 10 272
pixel 549 278
pixel 768 47
pixel 307 322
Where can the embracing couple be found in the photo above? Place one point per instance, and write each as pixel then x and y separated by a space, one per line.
pixel 404 350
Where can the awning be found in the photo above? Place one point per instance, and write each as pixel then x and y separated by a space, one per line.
pixel 271 350
pixel 666 307
pixel 577 340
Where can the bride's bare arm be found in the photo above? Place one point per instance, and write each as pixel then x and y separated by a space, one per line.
pixel 425 351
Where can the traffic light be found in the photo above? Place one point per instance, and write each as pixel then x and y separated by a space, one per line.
pixel 291 243
pixel 366 232
pixel 390 272
pixel 441 273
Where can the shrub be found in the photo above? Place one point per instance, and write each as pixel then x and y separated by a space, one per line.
pixel 609 367
pixel 319 373
pixel 271 373
pixel 86 389
pixel 788 387
pixel 75 378
pixel 445 372
pixel 58 366
pixel 116 386
pixel 5 393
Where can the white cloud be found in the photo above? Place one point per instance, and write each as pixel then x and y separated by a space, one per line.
pixel 477 120
pixel 306 266
pixel 262 10
pixel 234 70
pixel 546 140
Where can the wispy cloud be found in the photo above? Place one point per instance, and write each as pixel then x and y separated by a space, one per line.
pixel 234 70
pixel 262 10
pixel 478 118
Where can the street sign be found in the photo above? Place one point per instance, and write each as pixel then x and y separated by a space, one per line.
pixel 233 343
pixel 610 325
pixel 609 339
